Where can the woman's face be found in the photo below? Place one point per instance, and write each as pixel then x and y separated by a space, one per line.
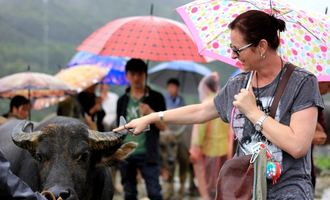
pixel 242 50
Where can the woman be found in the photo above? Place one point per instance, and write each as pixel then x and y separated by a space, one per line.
pixel 254 41
pixel 209 143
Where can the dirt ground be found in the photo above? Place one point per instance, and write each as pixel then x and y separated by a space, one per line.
pixel 322 191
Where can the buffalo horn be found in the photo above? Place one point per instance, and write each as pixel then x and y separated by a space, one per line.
pixel 103 140
pixel 24 137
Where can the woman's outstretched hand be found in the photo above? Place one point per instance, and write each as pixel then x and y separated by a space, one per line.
pixel 136 126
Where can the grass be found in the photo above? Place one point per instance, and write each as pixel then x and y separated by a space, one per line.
pixel 323 162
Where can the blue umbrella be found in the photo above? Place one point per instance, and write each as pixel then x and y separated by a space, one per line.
pixel 188 73
pixel 116 75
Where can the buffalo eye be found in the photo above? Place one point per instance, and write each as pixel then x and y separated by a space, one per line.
pixel 83 157
pixel 38 157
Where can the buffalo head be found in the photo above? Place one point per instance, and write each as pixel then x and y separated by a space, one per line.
pixel 72 160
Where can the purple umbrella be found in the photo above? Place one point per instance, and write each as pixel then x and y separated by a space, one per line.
pixel 116 75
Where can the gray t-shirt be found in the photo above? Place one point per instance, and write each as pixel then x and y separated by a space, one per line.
pixel 300 93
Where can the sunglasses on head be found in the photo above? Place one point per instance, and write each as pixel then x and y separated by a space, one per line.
pixel 239 50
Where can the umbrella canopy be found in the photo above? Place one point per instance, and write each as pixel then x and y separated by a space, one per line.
pixel 145 37
pixel 306 43
pixel 32 85
pixel 188 73
pixel 79 78
pixel 116 66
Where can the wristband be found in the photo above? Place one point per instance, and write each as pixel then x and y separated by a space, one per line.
pixel 161 115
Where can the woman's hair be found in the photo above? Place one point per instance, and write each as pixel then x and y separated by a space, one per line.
pixel 256 25
pixel 208 84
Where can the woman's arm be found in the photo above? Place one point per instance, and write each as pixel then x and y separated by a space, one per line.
pixel 294 139
pixel 192 114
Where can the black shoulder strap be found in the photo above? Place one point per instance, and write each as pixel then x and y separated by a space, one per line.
pixel 280 89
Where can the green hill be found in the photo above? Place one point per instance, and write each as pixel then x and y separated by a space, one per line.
pixel 45 33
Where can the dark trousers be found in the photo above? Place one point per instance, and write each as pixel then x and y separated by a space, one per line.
pixel 150 173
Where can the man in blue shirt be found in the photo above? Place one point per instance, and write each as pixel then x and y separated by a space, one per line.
pixel 172 98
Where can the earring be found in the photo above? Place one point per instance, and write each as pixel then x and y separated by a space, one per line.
pixel 263 56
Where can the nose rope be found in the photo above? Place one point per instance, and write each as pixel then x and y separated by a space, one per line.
pixel 50 196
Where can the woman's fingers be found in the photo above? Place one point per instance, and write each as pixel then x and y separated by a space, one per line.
pixel 120 128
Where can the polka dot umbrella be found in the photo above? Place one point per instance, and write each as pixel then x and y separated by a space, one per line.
pixel 306 42
pixel 146 37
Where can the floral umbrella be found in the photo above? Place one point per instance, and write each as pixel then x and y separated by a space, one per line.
pixel 145 37
pixel 306 43
pixel 78 78
pixel 82 76
pixel 32 85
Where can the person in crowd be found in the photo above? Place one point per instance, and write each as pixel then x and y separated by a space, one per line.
pixel 92 110
pixel 172 97
pixel 2 120
pixel 320 136
pixel 172 136
pixel 12 187
pixel 85 106
pixel 209 143
pixel 109 105
pixel 175 147
pixel 70 107
pixel 19 108
pixel 254 37
pixel 140 100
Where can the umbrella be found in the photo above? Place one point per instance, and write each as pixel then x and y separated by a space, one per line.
pixel 145 37
pixel 82 76
pixel 116 65
pixel 306 42
pixel 32 85
pixel 79 78
pixel 188 73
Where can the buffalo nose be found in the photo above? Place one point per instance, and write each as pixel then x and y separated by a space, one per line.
pixel 60 193
pixel 65 194
pixel 170 160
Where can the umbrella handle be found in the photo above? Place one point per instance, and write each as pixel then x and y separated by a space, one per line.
pixel 250 80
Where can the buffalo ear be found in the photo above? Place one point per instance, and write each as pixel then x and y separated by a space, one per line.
pixel 120 154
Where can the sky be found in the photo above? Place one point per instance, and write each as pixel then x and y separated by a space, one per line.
pixel 317 6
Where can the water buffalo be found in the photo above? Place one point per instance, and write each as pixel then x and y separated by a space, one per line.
pixel 174 146
pixel 63 156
